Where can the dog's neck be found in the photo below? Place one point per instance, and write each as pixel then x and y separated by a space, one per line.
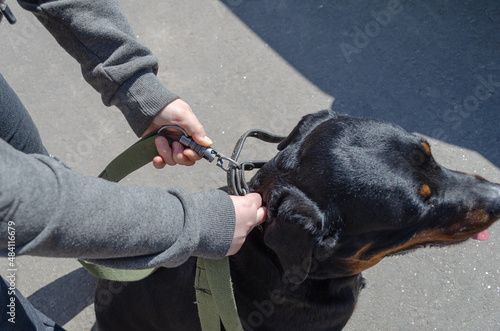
pixel 264 291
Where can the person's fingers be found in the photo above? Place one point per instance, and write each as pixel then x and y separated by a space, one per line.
pixel 261 215
pixel 191 154
pixel 164 151
pixel 256 204
pixel 179 113
pixel 190 123
pixel 178 155
pixel 158 162
pixel 249 213
pixel 183 116
pixel 172 155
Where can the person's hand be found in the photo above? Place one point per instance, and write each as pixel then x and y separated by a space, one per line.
pixel 249 214
pixel 178 113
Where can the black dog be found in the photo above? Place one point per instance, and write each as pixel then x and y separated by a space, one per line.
pixel 342 194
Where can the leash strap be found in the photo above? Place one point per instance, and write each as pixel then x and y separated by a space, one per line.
pixel 215 296
pixel 214 291
pixel 133 158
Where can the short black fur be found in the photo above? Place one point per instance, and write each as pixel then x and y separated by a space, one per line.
pixel 342 193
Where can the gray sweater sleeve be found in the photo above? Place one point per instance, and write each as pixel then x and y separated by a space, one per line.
pixel 97 34
pixel 57 212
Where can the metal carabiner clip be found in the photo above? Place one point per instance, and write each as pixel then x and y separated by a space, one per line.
pixel 207 153
pixel 220 162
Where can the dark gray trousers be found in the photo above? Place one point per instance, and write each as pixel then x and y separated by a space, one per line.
pixel 16 126
pixel 19 130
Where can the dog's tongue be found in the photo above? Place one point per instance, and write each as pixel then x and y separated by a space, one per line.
pixel 482 236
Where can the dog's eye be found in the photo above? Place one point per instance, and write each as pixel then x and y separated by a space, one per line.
pixel 418 158
pixel 425 191
pixel 421 155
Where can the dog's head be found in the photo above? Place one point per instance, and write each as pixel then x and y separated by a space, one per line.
pixel 345 192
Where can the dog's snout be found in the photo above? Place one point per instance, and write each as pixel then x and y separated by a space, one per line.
pixel 495 208
pixel 494 204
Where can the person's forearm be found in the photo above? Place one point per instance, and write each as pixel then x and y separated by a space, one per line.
pixel 57 212
pixel 97 34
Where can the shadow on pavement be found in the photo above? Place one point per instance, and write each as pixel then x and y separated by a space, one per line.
pixel 430 67
pixel 65 297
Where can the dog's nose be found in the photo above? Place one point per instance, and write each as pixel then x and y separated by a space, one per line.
pixel 495 208
pixel 494 205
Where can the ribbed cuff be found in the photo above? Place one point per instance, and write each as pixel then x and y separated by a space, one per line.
pixel 140 98
pixel 216 225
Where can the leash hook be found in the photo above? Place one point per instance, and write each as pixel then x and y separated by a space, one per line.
pixel 220 163
pixel 207 153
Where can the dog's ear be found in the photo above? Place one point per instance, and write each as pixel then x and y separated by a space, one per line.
pixel 295 227
pixel 306 125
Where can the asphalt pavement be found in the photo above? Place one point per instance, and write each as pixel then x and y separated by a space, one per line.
pixel 432 67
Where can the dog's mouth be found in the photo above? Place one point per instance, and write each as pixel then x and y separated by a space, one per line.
pixel 426 245
pixel 481 236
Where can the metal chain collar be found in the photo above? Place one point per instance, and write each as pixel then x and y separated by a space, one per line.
pixel 236 175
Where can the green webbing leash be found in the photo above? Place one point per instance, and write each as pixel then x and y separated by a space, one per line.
pixel 215 296
pixel 214 291
pixel 133 158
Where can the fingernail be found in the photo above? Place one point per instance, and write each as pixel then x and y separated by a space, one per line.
pixel 208 140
